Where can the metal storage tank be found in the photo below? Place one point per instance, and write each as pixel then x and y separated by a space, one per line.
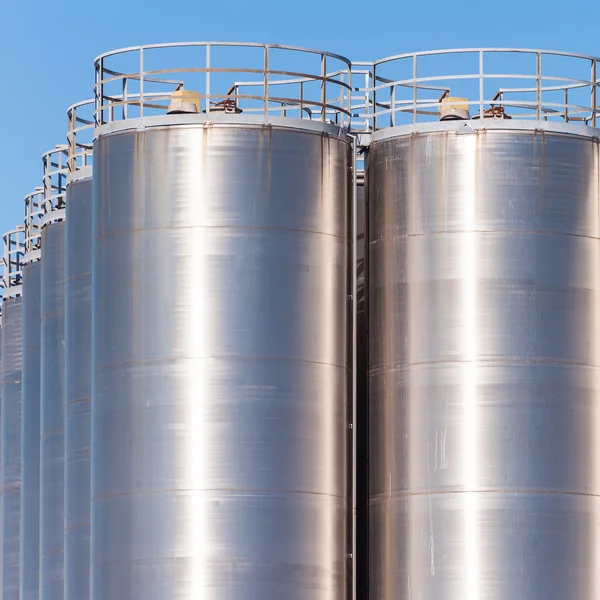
pixel 10 391
pixel 52 377
pixel 362 407
pixel 221 309
pixel 78 361
pixel 30 422
pixel 484 347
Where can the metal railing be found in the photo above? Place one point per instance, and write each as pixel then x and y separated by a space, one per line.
pixel 34 212
pixel 80 135
pixel 12 261
pixel 506 83
pixel 138 81
pixel 54 183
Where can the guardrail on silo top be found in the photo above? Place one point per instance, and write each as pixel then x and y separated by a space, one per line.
pixel 34 212
pixel 480 83
pixel 55 163
pixel 249 78
pixel 12 261
pixel 80 135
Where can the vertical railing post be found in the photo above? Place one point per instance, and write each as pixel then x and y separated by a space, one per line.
pixel 323 85
pixel 538 72
pixel 594 90
pixel 481 87
pixel 266 81
pixel 349 95
pixel 415 88
pixel 100 92
pixel 125 99
pixel 393 106
pixel 368 124
pixel 141 82
pixel 72 121
pixel 374 97
pixel 207 83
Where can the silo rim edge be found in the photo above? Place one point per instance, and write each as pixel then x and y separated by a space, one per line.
pixel 473 126
pixel 227 121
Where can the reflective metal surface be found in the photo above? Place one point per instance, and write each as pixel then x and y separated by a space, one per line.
pixel 362 412
pixel 484 355
pixel 220 383
pixel 30 433
pixel 10 451
pixel 78 338
pixel 52 419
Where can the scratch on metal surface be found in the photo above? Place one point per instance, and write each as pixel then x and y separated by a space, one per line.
pixel 431 533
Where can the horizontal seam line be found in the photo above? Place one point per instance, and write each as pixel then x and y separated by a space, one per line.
pixel 52 434
pixel 490 362
pixel 77 526
pixel 203 490
pixel 497 231
pixel 265 358
pixel 384 496
pixel 71 402
pixel 76 277
pixel 226 227
pixel 47 315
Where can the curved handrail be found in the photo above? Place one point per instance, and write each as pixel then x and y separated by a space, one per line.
pixel 12 261
pixel 54 181
pixel 557 92
pixel 208 74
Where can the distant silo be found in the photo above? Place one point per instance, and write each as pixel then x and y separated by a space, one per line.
pixel 52 376
pixel 78 340
pixel 10 393
pixel 221 348
pixel 484 328
pixel 30 422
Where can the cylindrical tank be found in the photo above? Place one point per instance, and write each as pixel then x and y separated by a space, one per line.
pixel 52 448
pixel 30 422
pixel 362 407
pixel 11 444
pixel 10 392
pixel 30 432
pixel 220 398
pixel 78 339
pixel 52 413
pixel 484 357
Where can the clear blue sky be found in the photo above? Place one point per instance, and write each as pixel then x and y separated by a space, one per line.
pixel 47 48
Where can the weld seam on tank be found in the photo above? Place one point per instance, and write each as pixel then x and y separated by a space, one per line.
pixel 79 401
pixel 483 231
pixel 220 227
pixel 150 361
pixel 258 491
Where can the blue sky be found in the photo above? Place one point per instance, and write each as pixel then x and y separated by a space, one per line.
pixel 47 48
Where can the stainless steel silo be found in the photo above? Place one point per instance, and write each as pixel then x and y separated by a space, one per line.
pixel 78 360
pixel 30 409
pixel 52 362
pixel 362 407
pixel 484 347
pixel 221 309
pixel 10 392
